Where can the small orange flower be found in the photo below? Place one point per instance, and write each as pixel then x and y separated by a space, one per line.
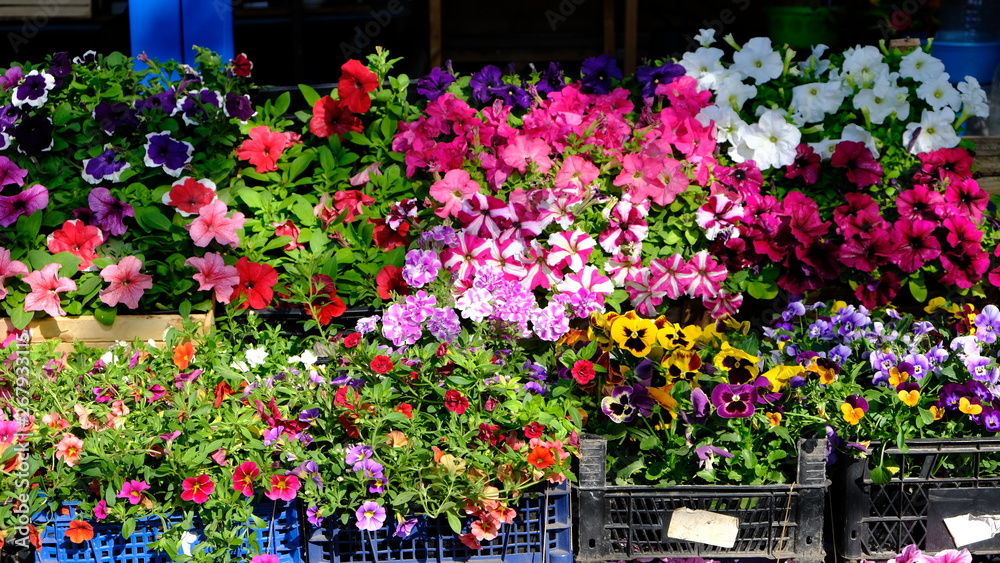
pixel 80 531
pixel 968 407
pixel 909 398
pixel 183 355
pixel 937 411
pixel 541 457
pixel 897 377
pixel 774 418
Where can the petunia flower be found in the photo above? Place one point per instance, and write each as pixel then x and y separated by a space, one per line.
pixel 126 283
pixel 11 173
pixel 704 276
pixel 116 116
pixel 33 90
pixel 862 168
pixel 188 195
pixel 197 489
pixel 256 283
pixel 24 203
pixel 652 76
pixel 105 166
pixel 452 191
pixel 597 73
pixel 757 59
pixel 570 249
pixel 370 515
pixel 734 401
pixel 356 81
pixel 934 131
pixel 214 274
pixel 483 83
pixel 263 148
pixel 33 134
pixel 771 142
pixel 46 285
pixel 433 85
pixel 78 239
pixel 9 268
pixel 330 117
pixel 164 151
pixel 238 106
pixel 212 223
pixel 109 213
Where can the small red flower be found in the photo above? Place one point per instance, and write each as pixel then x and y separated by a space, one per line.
pixel 381 364
pixel 183 354
pixel 288 229
pixel 80 531
pixel 242 66
pixel 455 401
pixel 355 83
pixel 583 371
pixel 389 280
pixel 406 409
pixel 244 477
pixel 263 148
pixel 533 430
pixel 222 390
pixel 385 238
pixel 256 283
pixel 324 293
pixel 330 117
pixel 352 340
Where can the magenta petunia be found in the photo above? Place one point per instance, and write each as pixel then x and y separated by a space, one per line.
pixel 670 275
pixel 861 166
pixel 705 275
pixel 25 203
pixel 915 244
pixel 9 268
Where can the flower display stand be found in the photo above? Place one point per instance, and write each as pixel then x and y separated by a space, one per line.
pixel 931 481
pixel 88 329
pixel 631 522
pixel 988 162
pixel 541 533
pixel 281 537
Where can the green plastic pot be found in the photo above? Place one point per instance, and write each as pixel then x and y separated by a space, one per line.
pixel 803 26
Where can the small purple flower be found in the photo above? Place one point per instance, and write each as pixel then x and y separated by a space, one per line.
pixel 307 470
pixel 444 324
pixel 921 328
pixel 550 323
pixel 734 401
pixel 164 101
pixel 182 379
pixel 33 134
pixel 27 202
pixel 308 415
pixel 978 390
pixel 980 370
pixel 512 95
pixel 699 404
pixel 706 453
pixel 421 267
pixel 371 516
pixel 162 150
pixel 105 166
pixel 820 329
pixel 483 83
pixel 271 435
pixel 170 437
pixel 991 419
pixel 8 117
pixel 109 213
pixel 11 173
pixel 192 107
pixel 988 324
pixel 438 237
pixel 598 72
pixel 920 366
pixel 618 407
pixel 238 106
pixel 358 453
pixel 839 354
pixel 33 90
pixel 551 79
pixel 434 85
pixel 652 76
pixel 405 528
pixel 134 360
pixel 377 485
pixel 369 469
pixel 11 78
pixel 312 515
pixel 116 117
pixel 60 66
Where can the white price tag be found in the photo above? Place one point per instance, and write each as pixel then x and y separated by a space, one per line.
pixel 702 526
pixel 968 529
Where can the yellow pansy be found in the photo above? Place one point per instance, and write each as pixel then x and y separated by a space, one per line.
pixel 682 364
pixel 742 367
pixel 633 333
pixel 909 398
pixel 779 376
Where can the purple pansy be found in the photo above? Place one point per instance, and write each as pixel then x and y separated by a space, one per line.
pixel 33 134
pixel 734 401
pixel 116 117
pixel 172 155
pixel 619 406
pixel 598 72
pixel 27 202
pixel 109 213
pixel 33 90
pixel 434 84
pixel 706 453
pixel 238 106
pixel 839 354
pixel 106 166
pixel 652 76
pixel 988 324
pixel 483 83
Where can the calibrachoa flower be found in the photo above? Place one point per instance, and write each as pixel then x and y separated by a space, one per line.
pixel 80 531
pixel 69 449
pixel 381 364
pixel 455 401
pixel 370 515
pixel 283 487
pixel 197 489
pixel 132 491
pixel 244 477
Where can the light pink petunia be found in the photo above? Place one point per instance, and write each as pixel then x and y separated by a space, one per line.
pixel 127 284
pixel 212 223
pixel 521 151
pixel 9 268
pixel 705 277
pixel 213 273
pixel 451 191
pixel 576 173
pixel 46 285
pixel 951 556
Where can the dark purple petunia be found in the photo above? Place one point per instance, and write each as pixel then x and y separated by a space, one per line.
pixel 435 84
pixel 551 79
pixel 734 401
pixel 33 90
pixel 861 166
pixel 238 106
pixel 483 83
pixel 512 95
pixel 164 101
pixel 8 117
pixel 652 76
pixel 109 213
pixel 105 166
pixel 192 107
pixel 405 528
pixel 598 72
pixel 162 150
pixel 33 134
pixel 116 117
pixel 60 66
pixel 806 165
pixel 86 59
pixel 27 202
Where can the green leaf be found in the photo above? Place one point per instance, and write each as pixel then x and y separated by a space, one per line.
pixel 357 138
pixel 128 526
pixel 282 103
pixel 300 164
pixel 29 225
pixel 184 309
pixel 250 197
pixel 105 315
pixel 918 289
pixel 762 290
pixel 20 318
pixel 151 219
pixel 310 94
pixel 775 455
pixel 881 475
pixel 455 523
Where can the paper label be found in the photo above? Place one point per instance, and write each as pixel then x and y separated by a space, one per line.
pixel 968 529
pixel 705 527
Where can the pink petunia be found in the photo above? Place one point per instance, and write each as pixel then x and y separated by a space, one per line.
pixel 244 477
pixel 127 284
pixel 452 191
pixel 197 489
pixel 570 249
pixel 484 215
pixel 46 285
pixel 967 198
pixel 9 268
pixel 718 216
pixel 213 273
pixel 25 203
pixel 188 195
pixel 671 180
pixel 705 276
pixel 576 173
pixel 723 304
pixel 465 256
pixel 641 294
pixel 671 275
pixel 212 223
pixel 521 151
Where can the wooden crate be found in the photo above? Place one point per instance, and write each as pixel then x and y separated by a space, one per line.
pixel 38 12
pixel 87 329
pixel 988 162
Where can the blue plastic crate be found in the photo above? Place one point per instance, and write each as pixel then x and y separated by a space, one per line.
pixel 541 533
pixel 281 537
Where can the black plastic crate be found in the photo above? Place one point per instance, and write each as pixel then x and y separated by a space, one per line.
pixel 631 522
pixel 933 480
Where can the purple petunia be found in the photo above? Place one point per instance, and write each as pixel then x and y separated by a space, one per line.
pixel 116 117
pixel 598 72
pixel 512 95
pixel 434 84
pixel 444 325
pixel 11 77
pixel 25 203
pixel 192 107
pixel 734 401
pixel 33 90
pixel 172 155
pixel 105 166
pixel 11 173
pixel 60 66
pixel 238 106
pixel 367 325
pixel 483 83
pixel 8 116
pixel 33 134
pixel 551 79
pixel 652 76
pixel 421 267
pixel 109 213
pixel 164 101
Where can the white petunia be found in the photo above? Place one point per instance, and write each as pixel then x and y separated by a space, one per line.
pixel 936 131
pixel 187 540
pixel 939 93
pixel 240 366
pixel 758 60
pixel 734 92
pixel 814 101
pixel 863 64
pixel 882 100
pixel 705 37
pixel 256 356
pixel 815 65
pixel 727 122
pixel 920 66
pixel 973 98
pixel 108 358
pixel 771 142
pixel 854 132
pixel 307 358
pixel 704 65
pixel 825 147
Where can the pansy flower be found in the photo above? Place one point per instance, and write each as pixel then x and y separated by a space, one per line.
pixel 734 401
pixel 853 409
pixel 108 165
pixel 635 334
pixel 741 366
pixel 164 151
pixel 619 406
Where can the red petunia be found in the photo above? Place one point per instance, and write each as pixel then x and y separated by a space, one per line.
pixel 256 284
pixel 386 238
pixel 389 280
pixel 78 239
pixel 455 401
pixel 355 83
pixel 222 390
pixel 324 298
pixel 352 340
pixel 330 117
pixel 351 202
pixel 263 148
pixel 189 195
pixel 381 364
pixel 242 66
